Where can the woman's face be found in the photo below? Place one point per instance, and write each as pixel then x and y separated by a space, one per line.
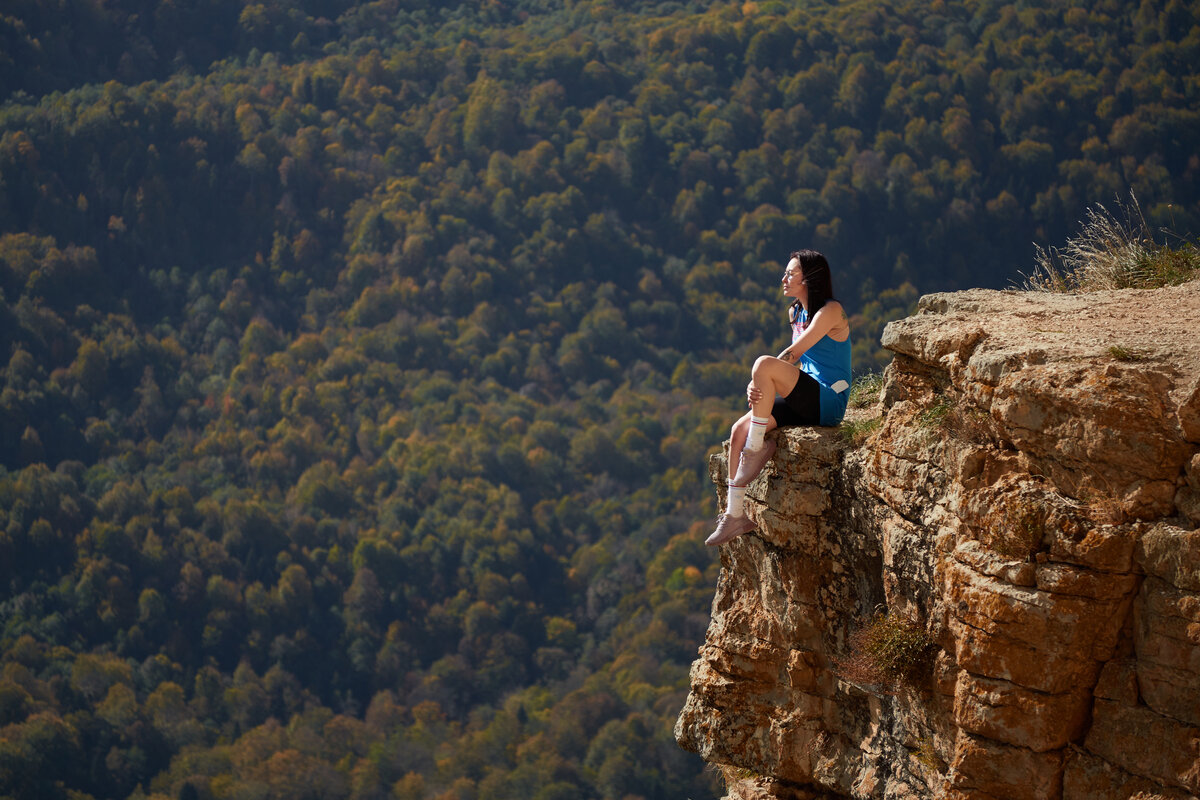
pixel 793 282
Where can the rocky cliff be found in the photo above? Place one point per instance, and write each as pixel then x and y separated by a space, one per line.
pixel 995 591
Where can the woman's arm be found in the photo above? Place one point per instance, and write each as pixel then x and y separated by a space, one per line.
pixel 826 320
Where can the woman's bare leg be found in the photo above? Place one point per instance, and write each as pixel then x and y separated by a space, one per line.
pixel 739 432
pixel 745 464
pixel 772 376
pixel 737 437
pixel 734 522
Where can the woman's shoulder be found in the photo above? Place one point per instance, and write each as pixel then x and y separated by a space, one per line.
pixel 839 323
pixel 833 308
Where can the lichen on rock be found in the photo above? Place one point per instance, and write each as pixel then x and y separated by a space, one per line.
pixel 1029 504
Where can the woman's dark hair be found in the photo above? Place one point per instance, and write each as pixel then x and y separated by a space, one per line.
pixel 815 270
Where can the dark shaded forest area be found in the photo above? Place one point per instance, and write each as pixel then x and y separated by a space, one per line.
pixel 360 359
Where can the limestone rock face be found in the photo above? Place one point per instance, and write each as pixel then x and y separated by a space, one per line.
pixel 1029 504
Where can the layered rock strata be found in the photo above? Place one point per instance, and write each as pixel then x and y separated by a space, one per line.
pixel 1028 496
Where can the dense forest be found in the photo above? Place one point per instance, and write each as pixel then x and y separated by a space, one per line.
pixel 359 360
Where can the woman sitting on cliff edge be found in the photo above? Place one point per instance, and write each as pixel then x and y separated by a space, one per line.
pixel 814 392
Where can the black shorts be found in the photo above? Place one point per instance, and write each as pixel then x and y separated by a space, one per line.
pixel 802 406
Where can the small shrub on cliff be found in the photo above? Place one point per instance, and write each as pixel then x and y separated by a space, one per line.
pixel 1114 252
pixel 1104 509
pixel 891 651
pixel 926 753
pixel 1122 353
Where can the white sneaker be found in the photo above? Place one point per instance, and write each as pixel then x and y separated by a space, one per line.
pixel 729 527
pixel 751 462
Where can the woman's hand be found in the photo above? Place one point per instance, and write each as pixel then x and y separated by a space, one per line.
pixel 753 394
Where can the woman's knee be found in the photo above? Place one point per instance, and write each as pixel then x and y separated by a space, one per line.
pixel 762 367
pixel 769 368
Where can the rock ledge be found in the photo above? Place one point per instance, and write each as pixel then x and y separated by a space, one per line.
pixel 1030 498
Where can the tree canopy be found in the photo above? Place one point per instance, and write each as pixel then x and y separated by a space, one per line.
pixel 359 360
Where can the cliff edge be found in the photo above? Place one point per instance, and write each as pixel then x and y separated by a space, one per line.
pixel 995 591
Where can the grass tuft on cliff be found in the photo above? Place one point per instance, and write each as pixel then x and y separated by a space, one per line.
pixel 889 652
pixel 1122 353
pixel 865 391
pixel 856 432
pixel 1114 250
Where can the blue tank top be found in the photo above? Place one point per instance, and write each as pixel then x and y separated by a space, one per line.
pixel 828 362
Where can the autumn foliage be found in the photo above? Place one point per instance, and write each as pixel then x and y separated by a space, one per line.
pixel 359 361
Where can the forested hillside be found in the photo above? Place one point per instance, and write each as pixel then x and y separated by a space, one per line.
pixel 359 360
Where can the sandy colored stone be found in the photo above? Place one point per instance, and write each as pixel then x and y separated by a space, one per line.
pixel 805 671
pixel 1090 778
pixel 1026 502
pixel 765 594
pixel 1033 327
pixel 907 552
pixel 1187 501
pixel 1191 472
pixel 1072 580
pixel 986 768
pixel 1044 372
pixel 945 675
pixel 1167 645
pixel 1108 548
pixel 1189 413
pixel 1016 573
pixel 1096 429
pixel 789 497
pixel 1118 681
pixel 1040 640
pixel 759 731
pixel 761 788
pixel 737 716
pixel 1145 743
pixel 1173 554
pixel 938 344
pixel 909 379
pixel 1006 712
pixel 905 484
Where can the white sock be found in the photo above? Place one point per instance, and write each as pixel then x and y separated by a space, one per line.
pixel 735 502
pixel 758 428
